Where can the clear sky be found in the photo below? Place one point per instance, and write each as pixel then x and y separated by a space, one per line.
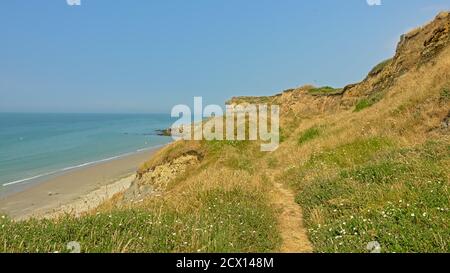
pixel 148 55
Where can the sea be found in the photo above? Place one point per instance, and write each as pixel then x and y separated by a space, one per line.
pixel 33 146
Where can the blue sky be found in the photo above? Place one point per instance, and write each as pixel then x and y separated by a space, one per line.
pixel 148 55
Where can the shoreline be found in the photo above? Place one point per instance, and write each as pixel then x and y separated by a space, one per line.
pixel 29 180
pixel 87 202
pixel 77 190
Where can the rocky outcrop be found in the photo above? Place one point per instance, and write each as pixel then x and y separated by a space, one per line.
pixel 156 179
pixel 164 132
pixel 161 175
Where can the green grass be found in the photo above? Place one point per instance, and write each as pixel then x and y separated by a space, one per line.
pixel 362 104
pixel 329 161
pixel 397 197
pixel 368 102
pixel 379 173
pixel 218 146
pixel 237 155
pixel 350 154
pixel 325 90
pixel 227 221
pixel 240 162
pixel 309 135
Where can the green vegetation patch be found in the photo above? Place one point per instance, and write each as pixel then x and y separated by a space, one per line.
pixel 218 146
pixel 227 221
pixel 240 162
pixel 368 102
pixel 347 155
pixel 399 198
pixel 309 135
pixel 363 104
pixel 330 161
pixel 325 90
pixel 383 172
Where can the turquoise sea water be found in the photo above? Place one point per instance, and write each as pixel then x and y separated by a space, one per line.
pixel 37 145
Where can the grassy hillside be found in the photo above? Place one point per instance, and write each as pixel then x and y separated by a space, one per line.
pixel 368 162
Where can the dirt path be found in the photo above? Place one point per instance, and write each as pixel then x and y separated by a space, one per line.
pixel 293 233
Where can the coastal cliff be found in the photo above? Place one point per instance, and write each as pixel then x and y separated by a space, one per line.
pixel 363 163
pixel 366 139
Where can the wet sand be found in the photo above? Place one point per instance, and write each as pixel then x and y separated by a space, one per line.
pixel 75 191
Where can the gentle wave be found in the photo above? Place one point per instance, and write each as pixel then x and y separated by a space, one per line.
pixel 78 166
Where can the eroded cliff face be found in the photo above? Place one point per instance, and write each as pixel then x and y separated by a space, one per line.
pixel 299 100
pixel 155 178
pixel 417 48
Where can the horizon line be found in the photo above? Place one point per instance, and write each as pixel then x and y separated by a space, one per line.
pixel 88 113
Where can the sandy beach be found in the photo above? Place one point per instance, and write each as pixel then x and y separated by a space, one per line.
pixel 75 191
